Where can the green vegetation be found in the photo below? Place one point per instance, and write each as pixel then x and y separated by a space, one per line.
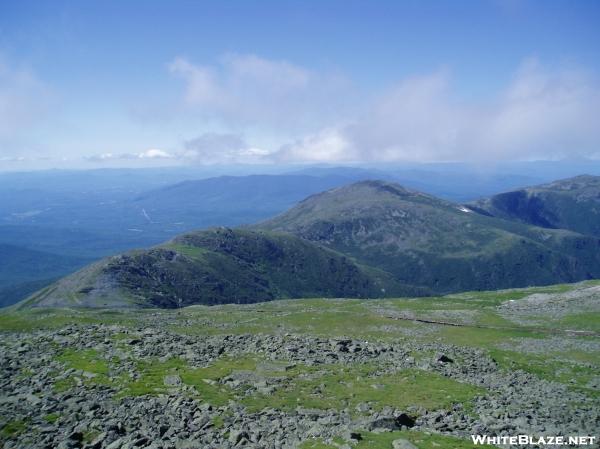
pixel 371 239
pixel 372 320
pixel 432 244
pixel 338 386
pixel 589 321
pixel 52 417
pixel 322 387
pixel 218 422
pixel 218 266
pixel 555 366
pixel 94 369
pixel 89 361
pixel 567 204
pixel 12 428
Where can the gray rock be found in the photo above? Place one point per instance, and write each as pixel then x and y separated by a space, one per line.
pixel 172 380
pixel 401 443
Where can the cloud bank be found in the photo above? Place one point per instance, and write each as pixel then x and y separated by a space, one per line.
pixel 543 113
pixel 246 90
pixel 275 111
pixel 24 100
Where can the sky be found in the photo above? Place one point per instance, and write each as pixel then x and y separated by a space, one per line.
pixel 137 83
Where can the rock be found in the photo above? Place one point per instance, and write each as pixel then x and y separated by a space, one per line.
pixel 401 443
pixel 383 424
pixel 76 436
pixel 172 380
pixel 404 420
pixel 236 436
pixel 33 399
pixel 355 436
pixel 442 358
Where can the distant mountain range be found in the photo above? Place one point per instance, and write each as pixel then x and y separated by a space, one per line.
pixel 366 239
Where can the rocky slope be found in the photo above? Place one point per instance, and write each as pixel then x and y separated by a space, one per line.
pixel 304 374
pixel 572 203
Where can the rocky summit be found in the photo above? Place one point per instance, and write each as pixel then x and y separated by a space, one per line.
pixel 328 374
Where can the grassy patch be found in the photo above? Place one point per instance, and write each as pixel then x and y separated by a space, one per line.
pixel 482 337
pixel 51 417
pixel 33 319
pixel 203 380
pixel 151 374
pixel 12 429
pixel 95 368
pixel 550 366
pixel 88 360
pixel 218 422
pixel 322 387
pixel 589 321
pixel 316 444
pixel 339 386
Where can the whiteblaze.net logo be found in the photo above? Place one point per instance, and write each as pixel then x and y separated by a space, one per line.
pixel 529 440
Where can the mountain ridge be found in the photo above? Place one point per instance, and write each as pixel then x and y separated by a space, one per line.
pixel 367 239
pixel 571 203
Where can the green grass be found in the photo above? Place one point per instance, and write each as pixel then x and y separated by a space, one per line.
pixel 12 429
pixel 66 384
pixel 52 417
pixel 218 422
pixel 589 321
pixel 324 387
pixel 482 337
pixel 150 380
pixel 33 319
pixel 152 374
pixel 554 366
pixel 339 386
pixel 89 361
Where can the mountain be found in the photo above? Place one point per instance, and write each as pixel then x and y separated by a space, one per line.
pixel 218 266
pixel 235 200
pixel 431 243
pixel 367 239
pixel 98 213
pixel 572 203
pixel 91 214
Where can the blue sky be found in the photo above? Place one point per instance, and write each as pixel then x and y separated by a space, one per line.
pixel 136 83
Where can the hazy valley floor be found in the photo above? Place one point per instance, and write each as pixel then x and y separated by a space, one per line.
pixel 314 373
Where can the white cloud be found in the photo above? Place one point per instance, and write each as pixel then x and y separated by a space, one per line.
pixel 152 153
pixel 24 100
pixel 155 153
pixel 218 148
pixel 249 90
pixel 328 145
pixel 541 114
